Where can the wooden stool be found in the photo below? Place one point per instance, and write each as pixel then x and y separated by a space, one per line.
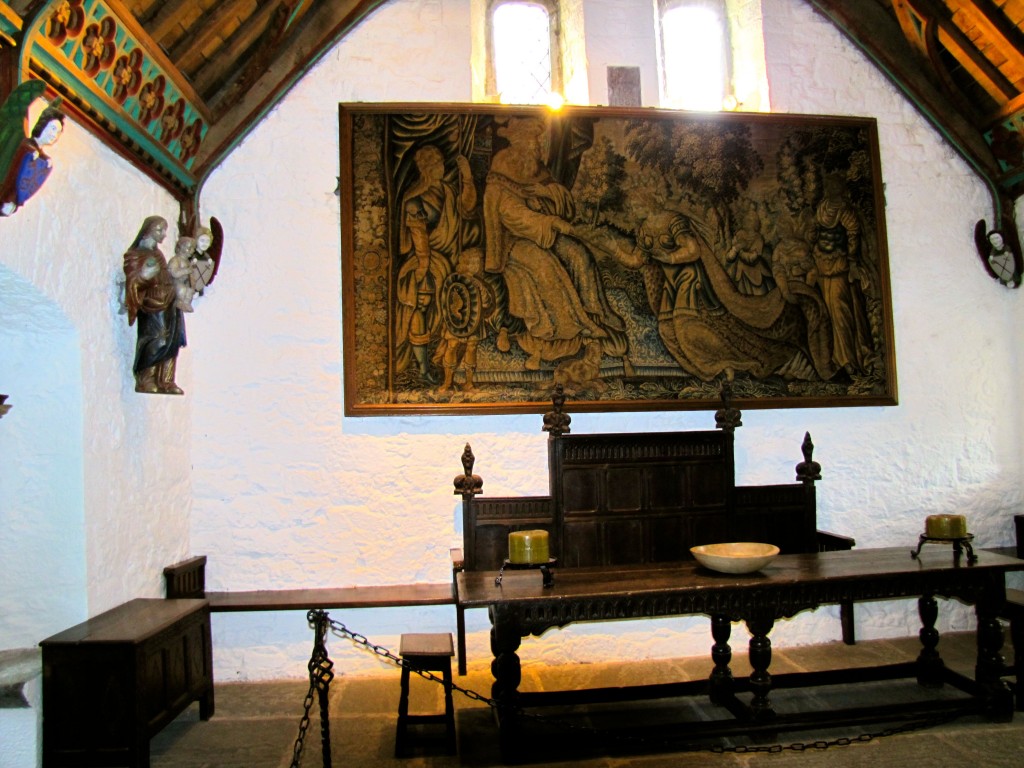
pixel 426 653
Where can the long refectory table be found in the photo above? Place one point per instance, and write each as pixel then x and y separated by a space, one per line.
pixel 522 606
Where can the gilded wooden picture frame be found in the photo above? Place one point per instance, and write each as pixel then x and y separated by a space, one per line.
pixel 639 258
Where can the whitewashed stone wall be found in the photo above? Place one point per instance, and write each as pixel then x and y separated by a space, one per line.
pixel 620 35
pixel 95 489
pixel 289 493
pixel 257 468
pixel 95 482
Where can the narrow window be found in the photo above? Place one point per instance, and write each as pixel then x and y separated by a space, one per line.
pixel 694 52
pixel 522 44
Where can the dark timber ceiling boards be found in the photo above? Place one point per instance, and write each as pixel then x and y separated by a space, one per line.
pixel 225 63
pixel 961 62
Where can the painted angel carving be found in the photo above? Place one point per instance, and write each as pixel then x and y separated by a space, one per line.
pixel 206 259
pixel 1001 256
pixel 24 162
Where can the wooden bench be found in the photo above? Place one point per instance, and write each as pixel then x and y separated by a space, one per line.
pixel 641 498
pixel 188 579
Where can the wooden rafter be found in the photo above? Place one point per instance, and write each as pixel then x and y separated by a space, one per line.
pixel 217 70
pixel 168 15
pixel 961 62
pixel 214 26
pixel 939 22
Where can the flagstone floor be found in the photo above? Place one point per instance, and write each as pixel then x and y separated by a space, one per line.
pixel 256 724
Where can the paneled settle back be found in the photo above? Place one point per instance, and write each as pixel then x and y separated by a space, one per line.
pixel 641 498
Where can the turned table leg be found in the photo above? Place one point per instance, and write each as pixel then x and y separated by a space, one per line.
pixel 721 681
pixel 507 672
pixel 990 664
pixel 930 667
pixel 760 658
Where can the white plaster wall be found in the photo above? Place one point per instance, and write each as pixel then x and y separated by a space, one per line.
pixel 99 501
pixel 42 527
pixel 289 493
pixel 95 487
pixel 750 84
pixel 621 35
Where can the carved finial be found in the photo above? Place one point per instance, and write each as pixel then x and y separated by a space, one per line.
pixel 727 418
pixel 808 470
pixel 467 484
pixel 556 421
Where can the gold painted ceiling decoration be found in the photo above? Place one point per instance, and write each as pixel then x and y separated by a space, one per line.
pixel 98 62
pixel 175 84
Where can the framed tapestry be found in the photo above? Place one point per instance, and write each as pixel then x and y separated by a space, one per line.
pixel 639 258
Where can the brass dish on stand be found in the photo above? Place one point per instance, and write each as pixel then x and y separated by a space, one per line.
pixel 947 528
pixel 960 543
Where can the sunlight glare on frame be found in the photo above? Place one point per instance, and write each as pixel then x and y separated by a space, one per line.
pixel 694 56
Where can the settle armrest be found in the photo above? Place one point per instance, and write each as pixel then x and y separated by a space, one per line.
pixel 17 667
pixel 458 558
pixel 186 579
pixel 833 542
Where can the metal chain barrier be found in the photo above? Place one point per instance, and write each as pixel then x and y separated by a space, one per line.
pixel 342 631
pixel 321 673
pixel 842 741
pixel 320 677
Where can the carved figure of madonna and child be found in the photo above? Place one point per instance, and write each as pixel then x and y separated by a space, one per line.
pixel 156 293
pixel 636 261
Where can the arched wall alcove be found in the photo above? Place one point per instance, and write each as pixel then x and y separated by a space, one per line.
pixel 42 527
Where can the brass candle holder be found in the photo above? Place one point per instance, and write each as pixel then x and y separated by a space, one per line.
pixel 528 549
pixel 947 529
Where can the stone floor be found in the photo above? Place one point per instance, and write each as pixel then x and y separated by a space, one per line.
pixel 256 724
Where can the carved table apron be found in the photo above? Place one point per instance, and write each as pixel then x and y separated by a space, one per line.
pixel 789 585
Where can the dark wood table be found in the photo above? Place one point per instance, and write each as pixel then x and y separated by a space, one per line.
pixel 789 585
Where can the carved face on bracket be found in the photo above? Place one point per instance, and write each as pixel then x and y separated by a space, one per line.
pixel 50 133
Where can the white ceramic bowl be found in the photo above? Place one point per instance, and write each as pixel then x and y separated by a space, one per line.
pixel 735 557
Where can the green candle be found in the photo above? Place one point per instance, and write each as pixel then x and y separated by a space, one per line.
pixel 945 526
pixel 528 547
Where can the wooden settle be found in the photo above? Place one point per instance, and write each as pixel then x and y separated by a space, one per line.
pixel 641 498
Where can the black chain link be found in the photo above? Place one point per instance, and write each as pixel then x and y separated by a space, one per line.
pixel 303 727
pixel 843 741
pixel 341 630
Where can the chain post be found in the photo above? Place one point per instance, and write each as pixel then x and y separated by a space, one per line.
pixel 321 674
